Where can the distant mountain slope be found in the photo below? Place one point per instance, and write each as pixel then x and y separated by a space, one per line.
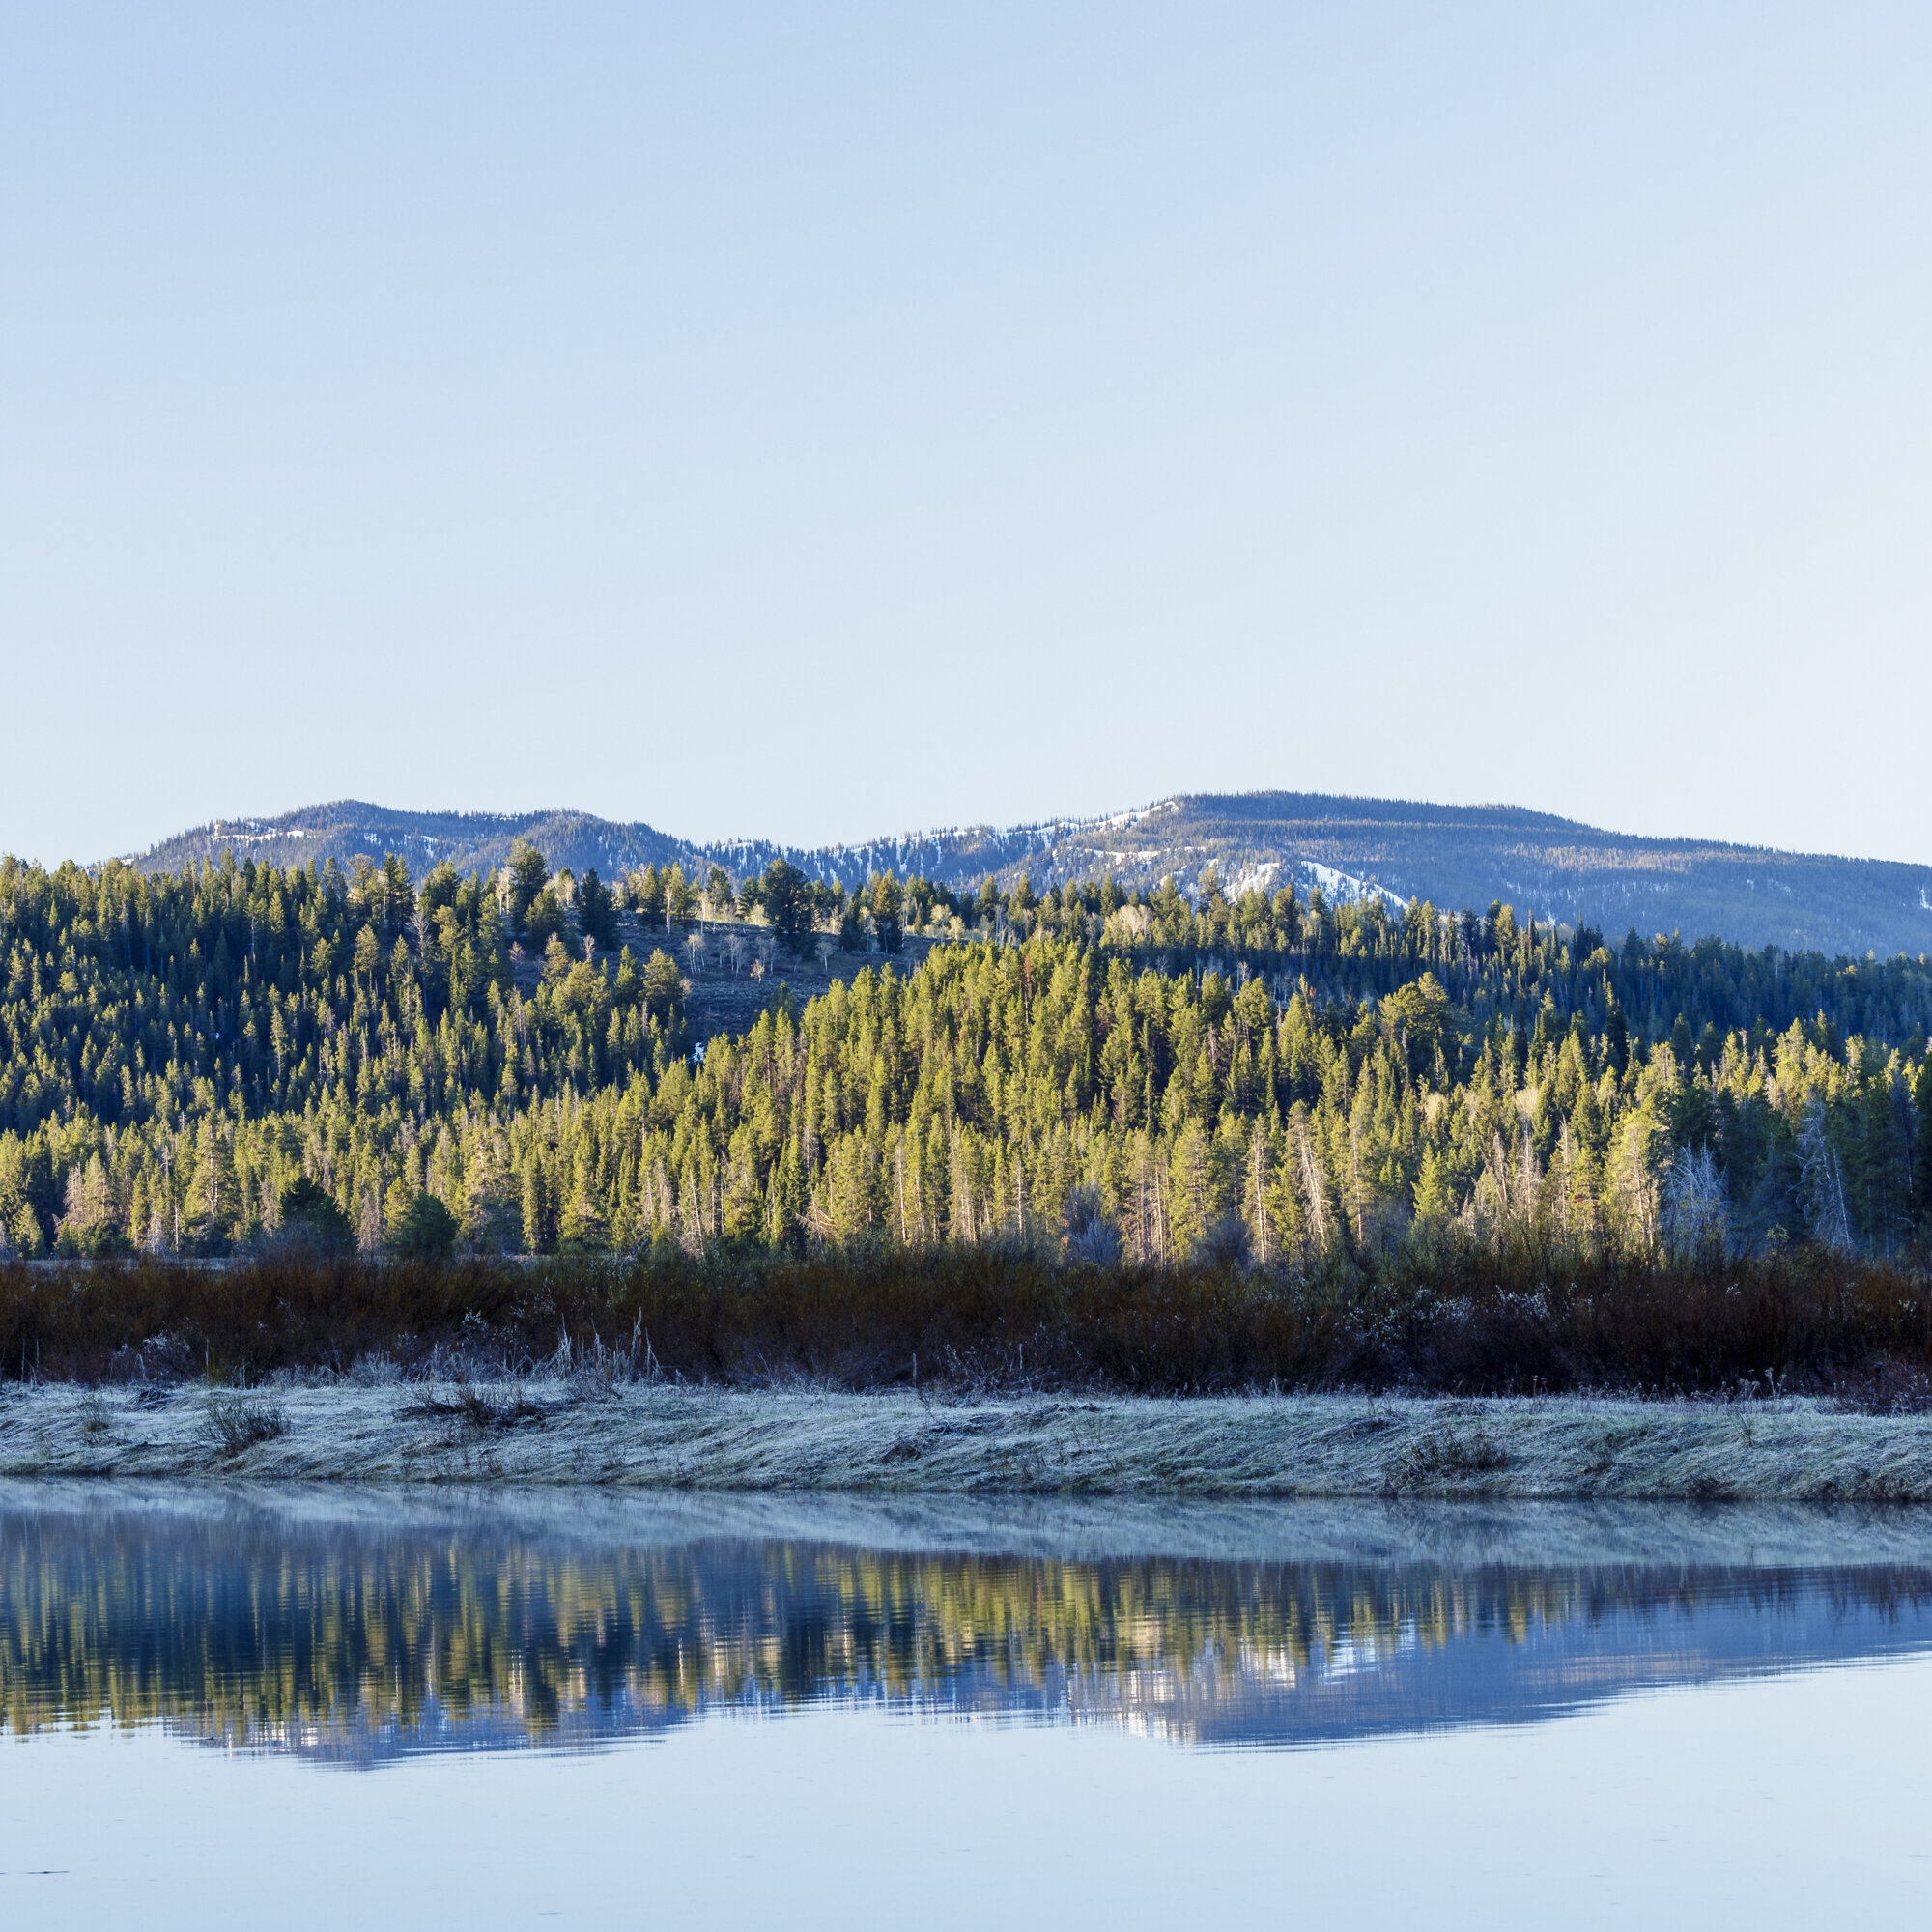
pixel 1468 855
pixel 471 840
pixel 480 840
pixel 1455 856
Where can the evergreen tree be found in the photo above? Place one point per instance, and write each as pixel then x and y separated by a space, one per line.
pixel 788 905
pixel 544 919
pixel 851 922
pixel 1616 1034
pixel 680 897
pixel 526 875
pixel 309 1213
pixel 887 897
pixel 1433 1201
pixel 424 1230
pixel 597 912
pixel 1922 1146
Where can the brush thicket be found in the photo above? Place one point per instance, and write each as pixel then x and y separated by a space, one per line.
pixel 1451 1314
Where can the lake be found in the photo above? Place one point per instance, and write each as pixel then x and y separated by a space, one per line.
pixel 329 1706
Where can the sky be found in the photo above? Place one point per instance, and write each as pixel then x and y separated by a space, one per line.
pixel 820 422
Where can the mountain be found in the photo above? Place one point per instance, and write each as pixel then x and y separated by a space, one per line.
pixel 481 841
pixel 1455 856
pixel 471 841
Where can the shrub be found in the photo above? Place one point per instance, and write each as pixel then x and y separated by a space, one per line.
pixel 237 1423
pixel 1455 1313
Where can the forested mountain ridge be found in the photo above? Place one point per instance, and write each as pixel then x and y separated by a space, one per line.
pixel 1450 855
pixel 472 842
pixel 1574 873
pixel 476 841
pixel 189 1060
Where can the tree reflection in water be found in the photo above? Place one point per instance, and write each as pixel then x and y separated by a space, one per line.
pixel 356 1628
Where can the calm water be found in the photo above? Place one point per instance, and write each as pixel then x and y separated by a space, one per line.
pixel 483 1709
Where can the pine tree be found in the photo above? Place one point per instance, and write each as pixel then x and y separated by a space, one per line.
pixel 1433 1202
pixel 1616 1034
pixel 526 875
pixel 596 911
pixel 887 897
pixel 1921 1148
pixel 788 904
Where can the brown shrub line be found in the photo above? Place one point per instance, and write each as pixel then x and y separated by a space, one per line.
pixel 1456 1317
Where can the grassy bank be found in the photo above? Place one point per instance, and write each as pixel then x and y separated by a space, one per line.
pixel 1451 1315
pixel 584 1429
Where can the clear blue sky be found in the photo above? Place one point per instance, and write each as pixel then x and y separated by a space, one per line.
pixel 819 422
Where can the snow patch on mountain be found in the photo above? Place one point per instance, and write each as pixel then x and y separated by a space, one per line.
pixel 1345 888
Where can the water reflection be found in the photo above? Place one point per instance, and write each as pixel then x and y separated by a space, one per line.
pixel 359 1627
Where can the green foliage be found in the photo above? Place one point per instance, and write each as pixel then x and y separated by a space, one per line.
pixel 523 878
pixel 309 1213
pixel 681 897
pixel 1245 1074
pixel 597 912
pixel 852 925
pixel 886 900
pixel 424 1230
pixel 785 895
pixel 210 1038
pixel 544 919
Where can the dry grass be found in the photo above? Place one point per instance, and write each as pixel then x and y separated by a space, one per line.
pixel 479 1407
pixel 234 1422
pixel 667 1439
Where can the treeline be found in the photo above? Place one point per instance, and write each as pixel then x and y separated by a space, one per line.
pixel 198 1063
pixel 1490 962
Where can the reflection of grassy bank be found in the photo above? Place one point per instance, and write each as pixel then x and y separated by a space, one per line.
pixel 249 1624
pixel 585 1429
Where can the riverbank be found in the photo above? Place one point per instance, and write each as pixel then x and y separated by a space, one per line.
pixel 680 1437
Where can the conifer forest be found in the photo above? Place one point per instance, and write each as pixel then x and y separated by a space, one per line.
pixel 213 1061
